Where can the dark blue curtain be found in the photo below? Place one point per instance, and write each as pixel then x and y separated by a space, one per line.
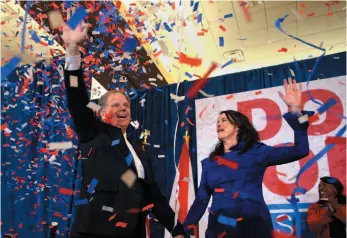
pixel 159 114
pixel 31 179
pixel 34 114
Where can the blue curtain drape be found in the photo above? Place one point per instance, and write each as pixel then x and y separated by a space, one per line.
pixel 159 114
pixel 34 108
pixel 31 178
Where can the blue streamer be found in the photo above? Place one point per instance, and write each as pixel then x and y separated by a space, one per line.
pixel 77 18
pixel 228 63
pixel 331 102
pixel 9 67
pixel 92 186
pixel 27 7
pixel 228 221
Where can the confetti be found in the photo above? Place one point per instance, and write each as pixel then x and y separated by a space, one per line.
pixel 107 209
pixel 73 81
pixel 331 102
pixel 219 190
pixel 60 145
pixel 34 36
pixel 184 59
pixel 81 202
pixel 79 15
pixel 282 50
pixel 55 19
pixel 228 63
pixel 227 163
pixel 227 221
pixel 135 124
pixel 148 207
pixel 94 107
pixel 292 72
pixel 128 178
pixel 228 15
pixel 194 89
pixel 66 191
pixel 112 217
pixel 121 224
pixel 10 66
pixel 205 94
pixel 161 156
pixel 129 159
pixel 221 41
pixel 222 28
pixel 115 142
pixel 92 185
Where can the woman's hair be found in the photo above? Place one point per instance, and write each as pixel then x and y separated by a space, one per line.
pixel 338 186
pixel 247 133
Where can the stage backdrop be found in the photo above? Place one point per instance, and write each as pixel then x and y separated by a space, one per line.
pixel 264 108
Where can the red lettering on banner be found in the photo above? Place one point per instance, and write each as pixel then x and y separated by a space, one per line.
pixel 270 108
pixel 307 180
pixel 332 121
pixel 337 163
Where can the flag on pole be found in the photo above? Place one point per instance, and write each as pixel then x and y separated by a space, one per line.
pixel 186 193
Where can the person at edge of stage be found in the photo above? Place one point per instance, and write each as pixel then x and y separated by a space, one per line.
pixel 327 216
pixel 115 206
pixel 233 173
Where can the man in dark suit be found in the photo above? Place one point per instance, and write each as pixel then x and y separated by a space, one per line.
pixel 118 180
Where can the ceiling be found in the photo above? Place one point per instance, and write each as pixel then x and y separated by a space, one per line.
pixel 318 22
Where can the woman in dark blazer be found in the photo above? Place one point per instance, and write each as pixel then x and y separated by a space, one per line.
pixel 118 182
pixel 233 173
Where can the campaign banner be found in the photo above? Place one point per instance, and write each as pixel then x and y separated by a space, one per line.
pixel 265 108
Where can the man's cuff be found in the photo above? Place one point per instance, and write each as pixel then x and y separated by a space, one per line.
pixel 72 63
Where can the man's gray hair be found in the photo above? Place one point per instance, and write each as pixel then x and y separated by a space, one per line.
pixel 103 99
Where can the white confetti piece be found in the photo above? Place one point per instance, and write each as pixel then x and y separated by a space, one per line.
pixel 128 178
pixel 303 118
pixel 154 84
pixel 161 156
pixel 292 72
pixel 73 81
pixel 142 102
pixel 94 107
pixel 60 145
pixel 54 223
pixel 108 209
pixel 7 130
pixel 135 124
pixel 331 47
pixel 160 77
pixel 336 57
pixel 156 146
pixel 176 98
pixel 205 94
pixel 152 79
pixel 52 158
